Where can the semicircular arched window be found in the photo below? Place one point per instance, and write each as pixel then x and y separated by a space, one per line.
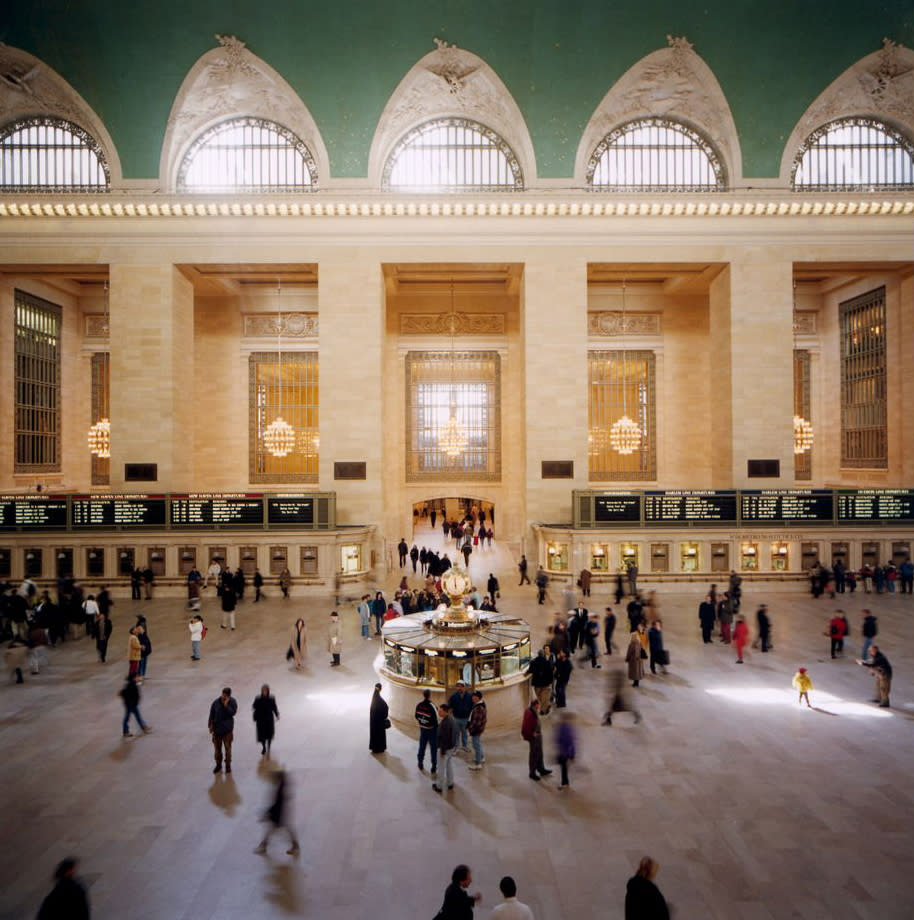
pixel 655 155
pixel 46 154
pixel 854 153
pixel 452 155
pixel 247 155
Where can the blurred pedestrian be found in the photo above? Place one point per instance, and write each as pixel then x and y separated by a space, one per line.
pixel 564 745
pixel 130 694
pixel 298 642
pixel 276 815
pixel 68 899
pixel 643 900
pixel 618 699
pixel 740 637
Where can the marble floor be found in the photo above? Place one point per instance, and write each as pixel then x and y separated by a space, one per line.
pixel 755 808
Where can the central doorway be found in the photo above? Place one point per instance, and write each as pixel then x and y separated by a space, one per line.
pixel 431 513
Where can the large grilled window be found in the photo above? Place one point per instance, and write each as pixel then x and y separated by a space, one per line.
pixel 854 153
pixel 247 155
pixel 452 155
pixel 864 435
pixel 621 383
pixel 37 382
pixel 655 155
pixel 49 155
pixel 466 385
pixel 101 408
pixel 285 386
pixel 802 407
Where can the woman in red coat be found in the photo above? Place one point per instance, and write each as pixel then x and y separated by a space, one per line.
pixel 740 637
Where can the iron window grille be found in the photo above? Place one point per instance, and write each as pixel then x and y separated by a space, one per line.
pixel 655 155
pixel 46 154
pixel 802 406
pixel 37 385
pixel 854 154
pixel 247 155
pixel 452 155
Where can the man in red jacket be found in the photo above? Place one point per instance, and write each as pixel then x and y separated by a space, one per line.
pixel 531 732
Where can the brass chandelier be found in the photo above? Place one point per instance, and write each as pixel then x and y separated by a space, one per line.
pixel 625 434
pixel 802 428
pixel 453 437
pixel 279 436
pixel 99 434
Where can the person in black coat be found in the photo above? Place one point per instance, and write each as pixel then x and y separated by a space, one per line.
pixel 609 627
pixel 265 716
pixel 378 722
pixel 563 669
pixel 706 616
pixel 68 899
pixel 458 904
pixel 643 900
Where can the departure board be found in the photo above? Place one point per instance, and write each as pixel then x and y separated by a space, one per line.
pixel 239 509
pixel 864 506
pixel 684 507
pixel 33 512
pixel 104 512
pixel 617 508
pixel 293 510
pixel 801 506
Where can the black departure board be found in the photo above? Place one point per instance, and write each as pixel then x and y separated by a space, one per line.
pixel 866 506
pixel 106 512
pixel 238 509
pixel 801 506
pixel 293 510
pixel 687 507
pixel 617 508
pixel 33 512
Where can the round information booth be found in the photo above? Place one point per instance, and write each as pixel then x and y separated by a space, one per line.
pixel 488 651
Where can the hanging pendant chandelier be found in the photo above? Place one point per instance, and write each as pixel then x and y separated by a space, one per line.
pixel 802 435
pixel 625 434
pixel 279 435
pixel 99 434
pixel 452 440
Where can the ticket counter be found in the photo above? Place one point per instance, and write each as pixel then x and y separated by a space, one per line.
pixel 689 558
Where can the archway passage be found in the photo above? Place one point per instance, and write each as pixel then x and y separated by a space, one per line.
pixel 461 510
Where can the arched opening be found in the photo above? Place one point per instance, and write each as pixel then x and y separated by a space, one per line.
pixel 431 514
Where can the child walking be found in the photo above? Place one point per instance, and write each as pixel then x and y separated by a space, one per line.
pixel 803 683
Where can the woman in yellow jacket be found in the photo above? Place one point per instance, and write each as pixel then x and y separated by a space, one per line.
pixel 803 683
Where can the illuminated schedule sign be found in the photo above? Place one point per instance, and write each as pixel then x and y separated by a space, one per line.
pixel 686 507
pixel 33 512
pixel 217 510
pixel 293 510
pixel 617 508
pixel 800 506
pixel 114 511
pixel 868 506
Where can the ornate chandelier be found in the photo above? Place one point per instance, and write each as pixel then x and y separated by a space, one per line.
pixel 99 434
pixel 802 435
pixel 279 435
pixel 625 434
pixel 453 438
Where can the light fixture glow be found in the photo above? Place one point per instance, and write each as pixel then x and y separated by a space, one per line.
pixel 99 438
pixel 802 435
pixel 625 434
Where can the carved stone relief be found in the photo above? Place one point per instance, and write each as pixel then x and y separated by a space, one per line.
pixel 293 325
pixel 452 324
pixel 673 82
pixel 610 323
pixel 805 322
pixel 451 81
pixel 96 326
pixel 231 81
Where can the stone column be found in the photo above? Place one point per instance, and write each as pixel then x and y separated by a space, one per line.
pixel 153 418
pixel 554 325
pixel 751 307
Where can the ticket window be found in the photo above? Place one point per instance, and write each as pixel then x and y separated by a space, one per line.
pixel 900 552
pixel 33 562
pixel 660 557
pixel 156 556
pixel 350 558
pixel 248 560
pixel 6 562
pixel 870 554
pixel 599 557
pixel 95 562
pixel 720 557
pixel 64 558
pixel 187 559
pixel 217 554
pixel 126 561
pixel 840 553
pixel 629 555
pixel 810 555
pixel 749 557
pixel 690 560
pixel 279 559
pixel 557 557
pixel 309 560
pixel 780 557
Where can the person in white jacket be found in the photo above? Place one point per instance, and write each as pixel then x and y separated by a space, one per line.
pixel 196 635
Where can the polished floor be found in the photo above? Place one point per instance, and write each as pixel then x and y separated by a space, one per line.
pixel 755 807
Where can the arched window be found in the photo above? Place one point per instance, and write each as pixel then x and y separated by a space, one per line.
pixel 452 155
pixel 655 155
pixel 50 155
pixel 247 155
pixel 854 153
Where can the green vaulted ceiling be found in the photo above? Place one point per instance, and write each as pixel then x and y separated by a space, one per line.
pixel 557 57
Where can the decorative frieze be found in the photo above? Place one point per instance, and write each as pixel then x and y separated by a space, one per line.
pixel 271 325
pixel 610 323
pixel 452 324
pixel 97 326
pixel 805 322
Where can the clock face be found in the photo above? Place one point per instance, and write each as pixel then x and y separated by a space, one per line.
pixel 455 584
